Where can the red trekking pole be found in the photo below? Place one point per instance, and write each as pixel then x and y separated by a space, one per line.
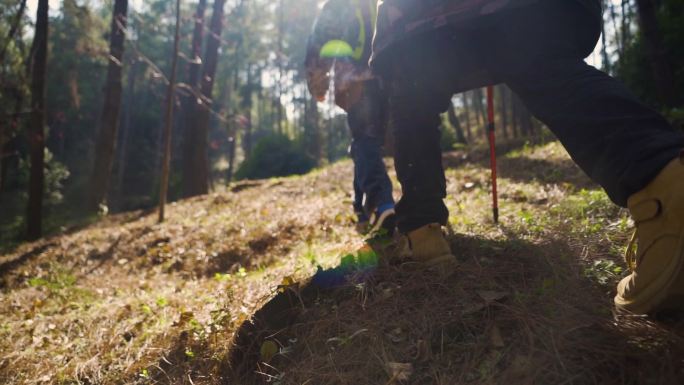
pixel 492 150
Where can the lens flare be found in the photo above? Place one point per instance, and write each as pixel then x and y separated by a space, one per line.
pixel 336 49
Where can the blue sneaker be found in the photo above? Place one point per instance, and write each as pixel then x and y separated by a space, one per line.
pixel 383 220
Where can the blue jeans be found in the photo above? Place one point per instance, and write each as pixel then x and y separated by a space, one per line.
pixel 366 119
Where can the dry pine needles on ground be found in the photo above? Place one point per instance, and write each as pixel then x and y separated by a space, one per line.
pixel 129 301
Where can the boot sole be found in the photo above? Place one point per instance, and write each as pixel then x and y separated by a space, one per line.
pixel 656 295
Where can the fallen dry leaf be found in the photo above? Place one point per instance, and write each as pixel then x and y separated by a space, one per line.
pixel 400 371
pixel 492 296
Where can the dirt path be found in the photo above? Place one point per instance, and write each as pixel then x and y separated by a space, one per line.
pixel 130 301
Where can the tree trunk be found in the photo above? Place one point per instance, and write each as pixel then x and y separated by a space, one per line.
pixel 37 129
pixel 502 91
pixel 279 57
pixel 514 115
pixel 246 105
pixel 604 41
pixel 126 128
pixel 231 131
pixel 312 131
pixel 453 120
pixel 196 179
pixel 626 11
pixel 480 111
pixel 13 29
pixel 618 35
pixel 8 140
pixel 170 98
pixel 524 117
pixel 191 103
pixel 469 132
pixel 655 49
pixel 109 121
pixel 232 141
pixel 2 155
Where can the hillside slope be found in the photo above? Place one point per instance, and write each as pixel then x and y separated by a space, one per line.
pixel 131 301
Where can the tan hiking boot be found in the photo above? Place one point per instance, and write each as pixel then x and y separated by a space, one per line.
pixel 429 248
pixel 657 263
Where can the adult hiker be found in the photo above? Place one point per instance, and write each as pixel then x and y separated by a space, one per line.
pixel 427 50
pixel 348 25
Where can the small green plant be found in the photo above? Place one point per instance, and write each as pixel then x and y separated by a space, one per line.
pixel 530 222
pixel 221 277
pixel 55 282
pixel 144 374
pixel 241 273
pixel 603 271
pixel 162 302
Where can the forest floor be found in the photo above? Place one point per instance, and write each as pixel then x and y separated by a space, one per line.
pixel 267 282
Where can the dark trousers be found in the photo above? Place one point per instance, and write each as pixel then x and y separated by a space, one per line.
pixel 619 142
pixel 367 122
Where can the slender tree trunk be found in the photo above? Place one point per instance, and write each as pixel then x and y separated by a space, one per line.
pixel 190 102
pixel 197 182
pixel 604 40
pixel 626 12
pixel 126 128
pixel 170 98
pixel 312 131
pixel 618 35
pixel 7 142
pixel 453 120
pixel 13 29
pixel 109 121
pixel 466 111
pixel 504 111
pixel 2 155
pixel 515 116
pixel 231 131
pixel 38 123
pixel 524 118
pixel 232 142
pixel 247 104
pixel 6 130
pixel 655 49
pixel 480 111
pixel 280 67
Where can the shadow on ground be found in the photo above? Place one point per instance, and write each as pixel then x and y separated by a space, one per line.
pixel 523 169
pixel 514 312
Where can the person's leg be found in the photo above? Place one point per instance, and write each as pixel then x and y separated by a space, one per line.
pixel 417 95
pixel 361 215
pixel 416 99
pixel 626 147
pixel 618 141
pixel 366 121
pixel 632 152
pixel 370 172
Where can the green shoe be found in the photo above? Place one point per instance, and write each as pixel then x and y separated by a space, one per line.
pixel 657 262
